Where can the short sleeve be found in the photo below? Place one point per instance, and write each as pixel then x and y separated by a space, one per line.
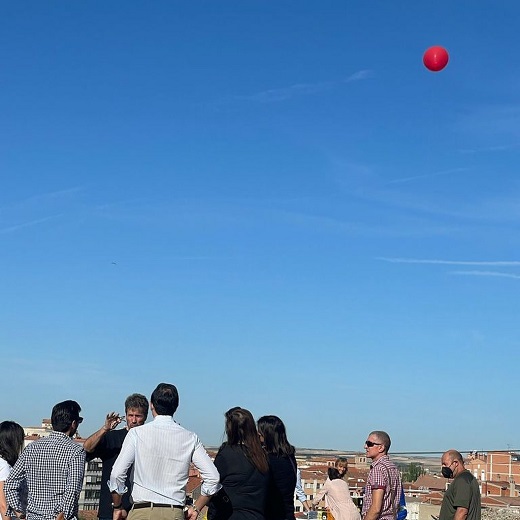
pixel 462 493
pixel 4 470
pixel 377 479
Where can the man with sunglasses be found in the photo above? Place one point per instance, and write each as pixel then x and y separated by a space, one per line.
pixel 52 468
pixel 383 487
pixel 462 498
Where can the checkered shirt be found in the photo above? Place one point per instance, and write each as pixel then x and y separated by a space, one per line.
pixel 53 469
pixel 380 471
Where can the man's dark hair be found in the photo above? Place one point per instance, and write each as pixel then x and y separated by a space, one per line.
pixel 165 399
pixel 63 415
pixel 138 402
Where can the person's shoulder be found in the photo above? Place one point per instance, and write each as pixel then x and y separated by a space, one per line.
pixel 388 462
pixel 465 476
pixel 227 451
pixel 117 435
pixel 5 468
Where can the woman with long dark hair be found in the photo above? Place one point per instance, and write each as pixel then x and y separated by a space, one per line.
pixel 11 445
pixel 244 471
pixel 282 467
pixel 337 497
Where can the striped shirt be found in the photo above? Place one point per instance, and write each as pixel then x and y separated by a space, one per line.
pixel 53 469
pixel 162 452
pixel 383 475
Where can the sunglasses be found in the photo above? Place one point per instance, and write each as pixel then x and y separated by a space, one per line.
pixel 79 420
pixel 370 444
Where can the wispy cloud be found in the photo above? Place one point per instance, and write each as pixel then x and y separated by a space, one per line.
pixel 38 209
pixel 17 227
pixel 44 198
pixel 425 176
pixel 499 263
pixel 303 89
pixel 496 148
pixel 486 273
pixel 500 122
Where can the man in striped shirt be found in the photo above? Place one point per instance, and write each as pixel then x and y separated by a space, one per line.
pixel 161 453
pixel 52 468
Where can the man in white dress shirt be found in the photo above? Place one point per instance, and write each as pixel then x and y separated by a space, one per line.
pixel 161 452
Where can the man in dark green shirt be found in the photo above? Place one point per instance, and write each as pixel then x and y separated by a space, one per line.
pixel 462 498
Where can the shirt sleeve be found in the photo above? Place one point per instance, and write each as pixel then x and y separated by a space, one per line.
pixel 76 471
pixel 320 493
pixel 462 493
pixel 300 493
pixel 208 471
pixel 12 485
pixel 122 464
pixel 377 478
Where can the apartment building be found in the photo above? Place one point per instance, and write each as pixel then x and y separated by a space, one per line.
pixel 497 471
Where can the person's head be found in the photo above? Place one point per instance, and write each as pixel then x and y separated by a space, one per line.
pixel 11 441
pixel 452 464
pixel 377 444
pixel 165 399
pixel 341 464
pixel 240 427
pixel 273 436
pixel 334 473
pixel 136 410
pixel 65 417
pixel 241 430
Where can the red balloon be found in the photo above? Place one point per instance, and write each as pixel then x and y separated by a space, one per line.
pixel 436 58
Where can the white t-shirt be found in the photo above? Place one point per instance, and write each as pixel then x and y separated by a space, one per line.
pixel 4 470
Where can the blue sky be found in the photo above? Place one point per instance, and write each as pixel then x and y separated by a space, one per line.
pixel 270 204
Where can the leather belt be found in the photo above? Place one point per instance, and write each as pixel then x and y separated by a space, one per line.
pixel 141 505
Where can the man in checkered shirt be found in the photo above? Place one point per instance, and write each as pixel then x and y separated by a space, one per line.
pixel 383 487
pixel 51 469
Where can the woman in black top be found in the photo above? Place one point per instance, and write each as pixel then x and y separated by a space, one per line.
pixel 282 467
pixel 244 471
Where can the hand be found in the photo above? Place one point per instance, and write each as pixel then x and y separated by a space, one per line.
pixel 61 516
pixel 190 514
pixel 112 421
pixel 118 514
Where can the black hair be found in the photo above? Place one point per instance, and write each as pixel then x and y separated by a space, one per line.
pixel 11 441
pixel 64 414
pixel 165 399
pixel 333 473
pixel 273 431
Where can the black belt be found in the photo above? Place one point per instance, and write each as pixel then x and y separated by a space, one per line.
pixel 141 505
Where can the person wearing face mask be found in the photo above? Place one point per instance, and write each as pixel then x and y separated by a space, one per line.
pixel 462 498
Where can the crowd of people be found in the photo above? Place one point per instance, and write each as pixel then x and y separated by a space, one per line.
pixel 146 467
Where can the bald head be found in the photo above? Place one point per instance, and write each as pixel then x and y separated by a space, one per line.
pixel 452 463
pixel 452 455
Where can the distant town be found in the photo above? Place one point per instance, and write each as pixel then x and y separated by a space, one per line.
pixel 498 473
